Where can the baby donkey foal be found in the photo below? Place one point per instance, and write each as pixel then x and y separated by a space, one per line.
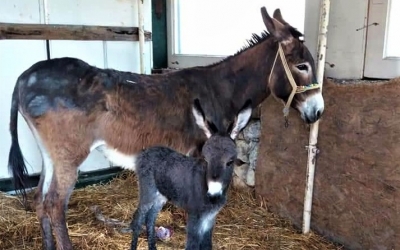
pixel 198 185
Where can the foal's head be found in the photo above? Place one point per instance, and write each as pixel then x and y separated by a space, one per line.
pixel 219 151
pixel 310 103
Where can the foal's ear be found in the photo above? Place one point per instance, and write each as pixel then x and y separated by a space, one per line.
pixel 242 119
pixel 200 117
pixel 275 27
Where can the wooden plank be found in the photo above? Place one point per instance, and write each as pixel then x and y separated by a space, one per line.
pixel 70 32
pixel 84 179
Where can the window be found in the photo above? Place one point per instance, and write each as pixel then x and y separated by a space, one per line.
pixel 201 32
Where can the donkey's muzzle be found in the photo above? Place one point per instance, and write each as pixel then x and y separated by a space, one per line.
pixel 314 116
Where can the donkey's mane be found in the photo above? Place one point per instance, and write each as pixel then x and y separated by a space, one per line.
pixel 257 39
pixel 254 40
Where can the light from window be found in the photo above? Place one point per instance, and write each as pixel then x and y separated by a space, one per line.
pixel 393 35
pixel 221 27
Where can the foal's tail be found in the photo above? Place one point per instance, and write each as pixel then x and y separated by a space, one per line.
pixel 16 164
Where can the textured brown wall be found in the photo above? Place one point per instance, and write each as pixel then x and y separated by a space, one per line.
pixel 356 193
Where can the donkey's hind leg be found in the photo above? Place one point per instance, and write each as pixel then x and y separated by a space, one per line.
pixel 48 242
pixel 56 200
pixel 66 135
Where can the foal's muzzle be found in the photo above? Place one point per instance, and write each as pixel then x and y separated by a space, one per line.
pixel 214 188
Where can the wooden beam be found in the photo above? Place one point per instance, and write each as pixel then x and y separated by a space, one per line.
pixel 84 179
pixel 70 32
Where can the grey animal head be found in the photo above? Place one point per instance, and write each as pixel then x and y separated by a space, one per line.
pixel 219 151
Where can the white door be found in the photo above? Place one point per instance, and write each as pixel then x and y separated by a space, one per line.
pixel 15 57
pixel 382 55
pixel 202 32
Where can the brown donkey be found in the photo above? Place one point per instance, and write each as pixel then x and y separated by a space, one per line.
pixel 73 108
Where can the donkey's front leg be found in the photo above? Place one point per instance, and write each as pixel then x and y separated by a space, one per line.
pixel 193 232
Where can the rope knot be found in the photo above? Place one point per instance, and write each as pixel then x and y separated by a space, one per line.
pixel 285 111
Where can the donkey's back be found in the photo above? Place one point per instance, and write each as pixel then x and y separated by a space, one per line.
pixel 72 106
pixel 67 84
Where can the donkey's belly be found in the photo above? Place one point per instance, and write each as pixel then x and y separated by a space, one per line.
pixel 114 156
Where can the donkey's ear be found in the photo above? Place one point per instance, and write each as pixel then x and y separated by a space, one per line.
pixel 275 27
pixel 278 16
pixel 200 118
pixel 242 119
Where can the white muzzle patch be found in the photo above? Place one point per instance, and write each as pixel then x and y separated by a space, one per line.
pixel 214 188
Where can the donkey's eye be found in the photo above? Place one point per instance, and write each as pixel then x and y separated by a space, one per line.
pixel 302 67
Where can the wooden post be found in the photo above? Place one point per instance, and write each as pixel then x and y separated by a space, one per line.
pixel 141 36
pixel 312 146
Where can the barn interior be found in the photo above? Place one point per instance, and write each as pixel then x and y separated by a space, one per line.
pixel 353 148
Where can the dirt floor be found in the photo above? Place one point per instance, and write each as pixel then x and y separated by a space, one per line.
pixel 244 223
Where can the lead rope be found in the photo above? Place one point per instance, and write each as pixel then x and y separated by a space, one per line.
pixel 295 89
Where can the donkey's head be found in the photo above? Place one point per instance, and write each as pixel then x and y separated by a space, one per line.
pixel 301 65
pixel 219 151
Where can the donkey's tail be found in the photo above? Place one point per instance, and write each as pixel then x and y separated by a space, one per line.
pixel 16 164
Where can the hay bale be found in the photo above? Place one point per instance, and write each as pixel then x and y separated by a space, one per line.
pixel 357 182
pixel 243 224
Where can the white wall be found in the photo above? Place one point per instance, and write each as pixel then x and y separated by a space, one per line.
pixel 345 48
pixel 17 55
pixel 210 36
pixel 345 45
pixel 196 39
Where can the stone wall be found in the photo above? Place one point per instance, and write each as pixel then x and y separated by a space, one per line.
pixel 247 145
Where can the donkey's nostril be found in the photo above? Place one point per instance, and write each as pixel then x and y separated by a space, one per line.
pixel 318 114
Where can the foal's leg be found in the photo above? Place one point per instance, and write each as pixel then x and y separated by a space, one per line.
pixel 151 221
pixel 199 231
pixel 150 224
pixel 193 232
pixel 148 202
pixel 206 242
pixel 136 225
